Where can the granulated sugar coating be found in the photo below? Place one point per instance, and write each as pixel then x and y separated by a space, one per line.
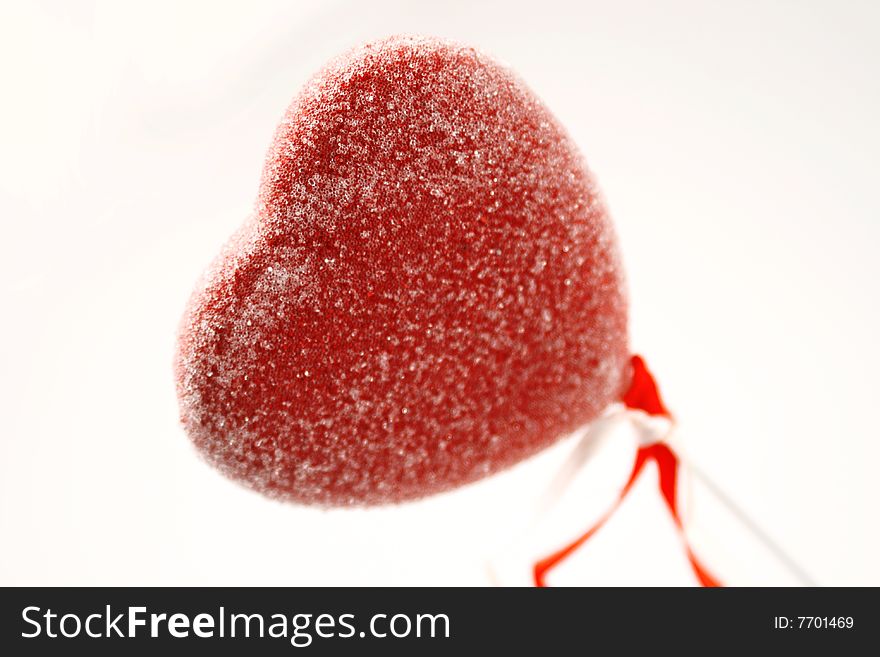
pixel 428 291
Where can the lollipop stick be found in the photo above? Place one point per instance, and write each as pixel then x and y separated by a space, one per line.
pixel 749 523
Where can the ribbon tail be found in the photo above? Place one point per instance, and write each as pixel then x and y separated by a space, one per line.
pixel 667 467
pixel 546 564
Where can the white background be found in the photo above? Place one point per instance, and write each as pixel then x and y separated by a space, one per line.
pixel 737 145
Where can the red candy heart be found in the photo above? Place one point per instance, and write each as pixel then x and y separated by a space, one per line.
pixel 428 292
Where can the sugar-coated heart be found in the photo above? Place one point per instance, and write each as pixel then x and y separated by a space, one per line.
pixel 428 291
